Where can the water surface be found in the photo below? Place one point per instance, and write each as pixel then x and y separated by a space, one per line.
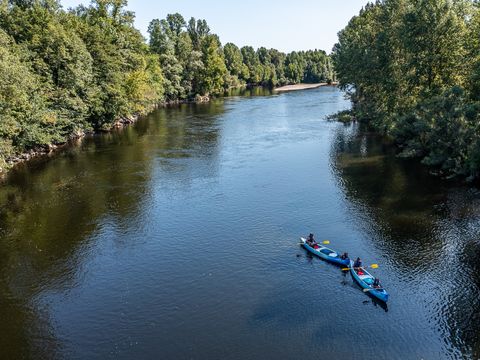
pixel 177 238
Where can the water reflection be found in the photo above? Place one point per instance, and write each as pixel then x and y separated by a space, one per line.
pixel 427 228
pixel 250 91
pixel 52 209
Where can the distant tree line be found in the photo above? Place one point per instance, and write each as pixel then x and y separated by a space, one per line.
pixel 412 69
pixel 66 72
pixel 194 62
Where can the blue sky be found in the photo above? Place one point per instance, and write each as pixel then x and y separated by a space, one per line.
pixel 282 24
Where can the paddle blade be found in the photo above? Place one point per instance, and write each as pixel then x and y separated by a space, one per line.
pixel 345 269
pixel 326 242
pixel 374 266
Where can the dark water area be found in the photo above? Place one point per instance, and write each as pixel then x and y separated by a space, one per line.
pixel 177 238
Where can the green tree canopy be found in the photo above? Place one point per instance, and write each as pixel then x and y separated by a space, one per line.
pixel 411 68
pixel 64 73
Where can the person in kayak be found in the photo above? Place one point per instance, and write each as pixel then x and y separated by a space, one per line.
pixel 311 240
pixel 358 263
pixel 344 256
pixel 376 283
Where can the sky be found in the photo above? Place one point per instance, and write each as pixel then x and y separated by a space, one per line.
pixel 285 25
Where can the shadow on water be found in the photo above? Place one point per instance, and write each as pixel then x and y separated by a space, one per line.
pixel 427 228
pixel 372 300
pixel 51 211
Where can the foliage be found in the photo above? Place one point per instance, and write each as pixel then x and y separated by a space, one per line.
pixel 123 70
pixel 63 73
pixel 411 68
pixel 344 116
pixel 26 119
pixel 195 63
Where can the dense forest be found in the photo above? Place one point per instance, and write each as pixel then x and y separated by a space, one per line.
pixel 67 72
pixel 412 70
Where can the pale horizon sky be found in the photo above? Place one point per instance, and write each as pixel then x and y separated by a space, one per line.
pixel 282 24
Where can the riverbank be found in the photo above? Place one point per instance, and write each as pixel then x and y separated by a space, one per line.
pixel 123 121
pixel 435 169
pixel 74 138
pixel 298 87
pixel 50 149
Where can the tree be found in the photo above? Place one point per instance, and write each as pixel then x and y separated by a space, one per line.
pixel 473 43
pixel 119 55
pixel 197 30
pixel 411 70
pixel 252 62
pixel 26 120
pixel 234 60
pixel 214 72
pixel 179 54
pixel 277 59
pixel 294 67
pixel 432 35
pixel 59 57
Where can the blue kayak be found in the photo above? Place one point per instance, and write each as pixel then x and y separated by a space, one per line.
pixel 365 280
pixel 326 253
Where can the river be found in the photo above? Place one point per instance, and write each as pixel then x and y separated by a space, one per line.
pixel 177 238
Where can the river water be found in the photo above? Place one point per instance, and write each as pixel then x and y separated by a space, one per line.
pixel 177 238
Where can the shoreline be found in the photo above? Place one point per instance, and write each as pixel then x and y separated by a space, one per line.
pixel 123 121
pixel 298 87
pixel 41 151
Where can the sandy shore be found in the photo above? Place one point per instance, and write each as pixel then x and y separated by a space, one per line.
pixel 299 87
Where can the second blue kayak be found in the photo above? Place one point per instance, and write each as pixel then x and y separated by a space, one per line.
pixel 365 280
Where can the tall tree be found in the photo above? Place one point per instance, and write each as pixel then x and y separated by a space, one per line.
pixel 197 30
pixel 251 60
pixel 214 72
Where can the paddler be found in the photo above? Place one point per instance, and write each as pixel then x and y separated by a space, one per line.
pixel 311 240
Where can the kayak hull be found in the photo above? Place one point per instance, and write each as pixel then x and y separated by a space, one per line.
pixel 365 281
pixel 334 258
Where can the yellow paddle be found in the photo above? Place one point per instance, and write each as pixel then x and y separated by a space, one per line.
pixel 373 266
pixel 325 242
